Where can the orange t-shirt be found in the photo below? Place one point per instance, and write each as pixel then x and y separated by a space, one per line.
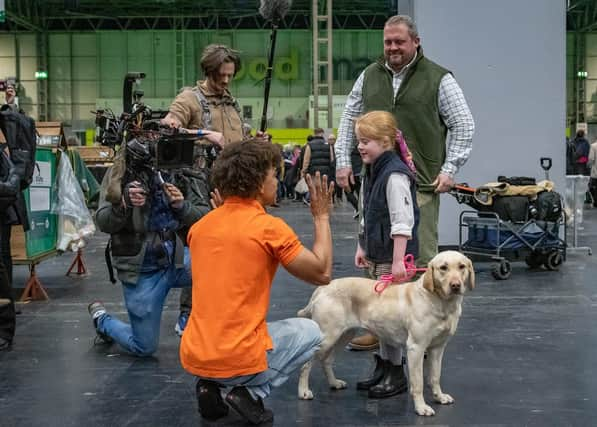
pixel 235 251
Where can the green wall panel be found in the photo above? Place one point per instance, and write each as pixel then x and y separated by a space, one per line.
pixel 84 68
pixel 7 46
pixel 59 44
pixel 27 46
pixel 28 93
pixel 84 44
pixel 84 91
pixel 60 92
pixel 8 66
pixel 28 66
pixel 163 43
pixel 139 43
pixel 87 69
pixel 163 88
pixel 164 68
pixel 59 68
pixel 591 44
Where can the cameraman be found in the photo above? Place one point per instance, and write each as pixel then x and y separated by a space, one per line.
pixel 209 106
pixel 211 111
pixel 146 227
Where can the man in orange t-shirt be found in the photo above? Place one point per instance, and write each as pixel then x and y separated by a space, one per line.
pixel 238 247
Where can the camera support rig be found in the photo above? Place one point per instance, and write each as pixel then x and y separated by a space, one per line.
pixel 127 90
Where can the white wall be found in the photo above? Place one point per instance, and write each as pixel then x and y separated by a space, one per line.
pixel 509 58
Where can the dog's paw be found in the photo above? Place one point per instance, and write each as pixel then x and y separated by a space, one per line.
pixel 443 398
pixel 424 410
pixel 338 385
pixel 305 395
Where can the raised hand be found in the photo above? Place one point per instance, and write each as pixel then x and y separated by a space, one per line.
pixel 321 194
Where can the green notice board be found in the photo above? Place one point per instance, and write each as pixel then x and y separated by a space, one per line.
pixel 41 237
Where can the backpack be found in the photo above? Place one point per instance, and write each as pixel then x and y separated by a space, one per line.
pixel 549 206
pixel 509 208
pixel 20 134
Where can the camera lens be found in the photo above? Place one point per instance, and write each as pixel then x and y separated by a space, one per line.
pixel 168 152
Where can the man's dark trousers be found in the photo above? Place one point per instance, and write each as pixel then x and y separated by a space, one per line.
pixel 7 306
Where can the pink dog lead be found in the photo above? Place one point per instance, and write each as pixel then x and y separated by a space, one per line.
pixel 386 280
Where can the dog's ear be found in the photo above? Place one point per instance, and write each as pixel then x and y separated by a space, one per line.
pixel 471 274
pixel 428 278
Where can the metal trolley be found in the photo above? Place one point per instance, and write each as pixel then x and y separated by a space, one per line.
pixel 537 242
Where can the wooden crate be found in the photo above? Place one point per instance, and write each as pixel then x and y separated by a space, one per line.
pixel 50 133
pixel 93 155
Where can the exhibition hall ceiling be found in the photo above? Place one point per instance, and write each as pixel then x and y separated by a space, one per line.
pixel 77 15
pixel 91 15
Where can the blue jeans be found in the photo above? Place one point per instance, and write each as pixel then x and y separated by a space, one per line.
pixel 295 342
pixel 144 302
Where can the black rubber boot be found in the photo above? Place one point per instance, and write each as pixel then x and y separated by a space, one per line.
pixel 209 399
pixel 251 409
pixel 376 376
pixel 393 382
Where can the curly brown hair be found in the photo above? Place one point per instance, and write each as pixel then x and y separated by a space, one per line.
pixel 241 167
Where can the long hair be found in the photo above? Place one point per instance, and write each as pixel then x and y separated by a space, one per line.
pixel 214 55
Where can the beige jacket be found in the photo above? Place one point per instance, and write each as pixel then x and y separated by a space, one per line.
pixel 224 116
pixel 484 194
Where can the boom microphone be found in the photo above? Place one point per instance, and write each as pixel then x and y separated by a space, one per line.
pixel 274 10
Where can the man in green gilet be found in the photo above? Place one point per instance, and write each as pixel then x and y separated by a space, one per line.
pixel 427 103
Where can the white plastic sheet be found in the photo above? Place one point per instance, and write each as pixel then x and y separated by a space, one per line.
pixel 574 198
pixel 75 223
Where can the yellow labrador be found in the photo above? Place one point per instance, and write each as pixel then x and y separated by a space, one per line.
pixel 422 314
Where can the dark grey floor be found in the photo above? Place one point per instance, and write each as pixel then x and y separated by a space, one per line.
pixel 524 354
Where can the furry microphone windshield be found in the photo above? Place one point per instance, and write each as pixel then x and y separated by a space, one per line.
pixel 274 10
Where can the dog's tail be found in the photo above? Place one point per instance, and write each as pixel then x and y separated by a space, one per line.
pixel 308 310
pixel 305 312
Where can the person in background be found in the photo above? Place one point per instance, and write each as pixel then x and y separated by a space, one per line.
pixel 7 210
pixel 293 172
pixel 592 163
pixel 280 172
pixel 16 171
pixel 331 141
pixel 570 157
pixel 10 98
pixel 227 342
pixel 317 157
pixel 581 153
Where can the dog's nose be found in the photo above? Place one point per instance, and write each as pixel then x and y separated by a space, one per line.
pixel 455 286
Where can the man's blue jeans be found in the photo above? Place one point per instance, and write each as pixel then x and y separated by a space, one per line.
pixel 144 302
pixel 295 342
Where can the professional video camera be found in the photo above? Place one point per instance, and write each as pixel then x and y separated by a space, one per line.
pixel 148 144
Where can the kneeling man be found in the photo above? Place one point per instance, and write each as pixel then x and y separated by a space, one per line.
pixel 235 251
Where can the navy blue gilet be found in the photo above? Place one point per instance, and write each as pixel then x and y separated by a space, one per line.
pixel 377 241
